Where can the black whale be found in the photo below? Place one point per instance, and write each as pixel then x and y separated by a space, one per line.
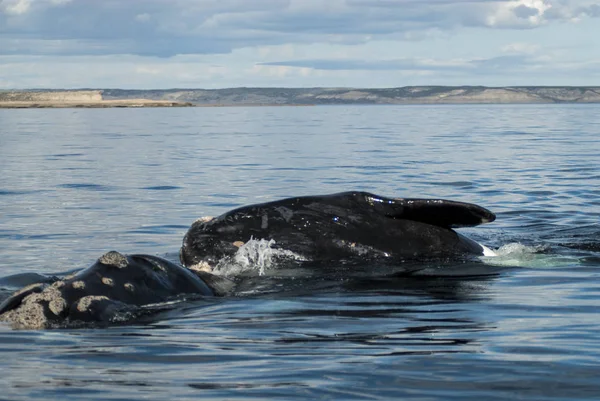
pixel 339 226
pixel 112 289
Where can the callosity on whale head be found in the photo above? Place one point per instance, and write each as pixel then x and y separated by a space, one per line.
pixel 340 226
pixel 112 289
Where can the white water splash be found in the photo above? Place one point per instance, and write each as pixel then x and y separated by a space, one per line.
pixel 516 249
pixel 518 255
pixel 254 256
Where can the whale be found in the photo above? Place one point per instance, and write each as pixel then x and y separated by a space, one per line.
pixel 116 288
pixel 342 226
pixel 346 226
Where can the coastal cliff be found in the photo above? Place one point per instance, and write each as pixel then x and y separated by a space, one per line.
pixel 401 95
pixel 299 96
pixel 75 98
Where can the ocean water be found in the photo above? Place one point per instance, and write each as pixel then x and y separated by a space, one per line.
pixel 76 183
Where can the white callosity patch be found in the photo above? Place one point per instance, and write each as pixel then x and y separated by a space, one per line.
pixel 254 256
pixel 114 258
pixel 204 219
pixel 84 303
pixel 30 314
pixel 202 266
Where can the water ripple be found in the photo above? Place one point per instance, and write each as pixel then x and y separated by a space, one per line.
pixel 77 183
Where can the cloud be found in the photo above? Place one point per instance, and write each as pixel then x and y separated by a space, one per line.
pixel 521 48
pixel 217 43
pixel 475 66
pixel 15 7
pixel 365 65
pixel 208 71
pixel 523 11
pixel 19 7
pixel 167 28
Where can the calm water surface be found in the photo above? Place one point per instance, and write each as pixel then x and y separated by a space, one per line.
pixel 77 183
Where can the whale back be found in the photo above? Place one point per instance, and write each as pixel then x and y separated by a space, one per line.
pixel 338 225
pixel 116 288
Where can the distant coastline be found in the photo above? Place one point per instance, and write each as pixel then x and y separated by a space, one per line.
pixel 75 99
pixel 100 98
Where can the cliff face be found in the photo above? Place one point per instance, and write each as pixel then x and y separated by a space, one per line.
pixel 301 96
pixel 401 95
pixel 75 98
pixel 52 96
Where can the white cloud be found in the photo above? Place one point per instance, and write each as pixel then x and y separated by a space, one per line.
pixel 217 43
pixel 144 17
pixel 521 47
pixel 15 7
pixel 519 13
pixel 211 26
pixel 20 7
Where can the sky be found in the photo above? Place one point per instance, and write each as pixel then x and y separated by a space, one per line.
pixel 159 44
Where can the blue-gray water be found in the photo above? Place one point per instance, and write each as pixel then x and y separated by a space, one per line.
pixel 78 182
